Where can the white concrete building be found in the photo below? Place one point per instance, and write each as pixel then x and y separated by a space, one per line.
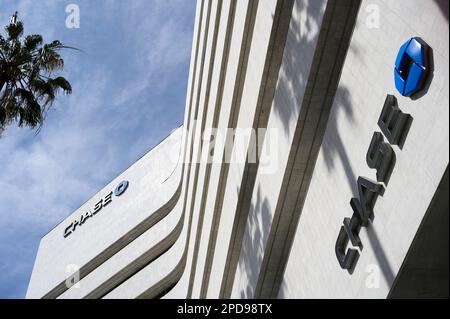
pixel 309 217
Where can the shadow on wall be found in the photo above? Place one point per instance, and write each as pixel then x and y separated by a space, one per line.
pixel 303 33
pixel 302 37
pixel 252 246
pixel 334 150
pixel 443 6
pixel 335 154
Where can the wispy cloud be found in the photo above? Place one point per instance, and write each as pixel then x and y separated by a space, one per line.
pixel 164 35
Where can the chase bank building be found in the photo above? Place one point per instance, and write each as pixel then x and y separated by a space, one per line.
pixel 347 196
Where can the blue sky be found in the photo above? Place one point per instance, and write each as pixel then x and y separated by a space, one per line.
pixel 129 88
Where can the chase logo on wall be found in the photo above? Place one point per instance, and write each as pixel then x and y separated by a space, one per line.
pixel 121 188
pixel 118 191
pixel 412 66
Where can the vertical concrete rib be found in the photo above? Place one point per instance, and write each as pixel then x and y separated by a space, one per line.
pixel 312 123
pixel 237 93
pixel 272 65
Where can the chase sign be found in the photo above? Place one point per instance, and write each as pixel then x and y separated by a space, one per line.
pixel 411 66
pixel 103 202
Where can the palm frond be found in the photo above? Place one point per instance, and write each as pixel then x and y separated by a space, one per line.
pixel 29 111
pixel 15 30
pixel 32 42
pixel 27 87
pixel 50 60
pixel 60 83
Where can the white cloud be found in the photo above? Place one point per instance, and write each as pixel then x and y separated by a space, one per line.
pixel 43 177
pixel 163 44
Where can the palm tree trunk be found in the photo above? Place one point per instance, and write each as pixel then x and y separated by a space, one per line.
pixel 2 76
pixel 2 82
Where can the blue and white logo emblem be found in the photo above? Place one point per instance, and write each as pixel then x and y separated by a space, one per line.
pixel 121 188
pixel 411 66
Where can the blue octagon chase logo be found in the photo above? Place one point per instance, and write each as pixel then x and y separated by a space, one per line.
pixel 121 188
pixel 411 66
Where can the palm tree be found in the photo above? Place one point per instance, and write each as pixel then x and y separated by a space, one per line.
pixel 27 88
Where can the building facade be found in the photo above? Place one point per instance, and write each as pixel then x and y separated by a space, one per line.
pixel 344 105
